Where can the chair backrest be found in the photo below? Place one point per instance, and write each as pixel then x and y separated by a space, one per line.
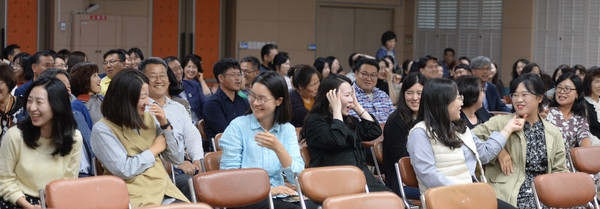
pixel 378 148
pixel 320 183
pixel 386 200
pixel 409 178
pixel 181 206
pixel 585 159
pixel 200 126
pixel 99 170
pixel 232 188
pixel 217 137
pixel 564 190
pixel 212 161
pixel 467 196
pixel 305 156
pixel 96 192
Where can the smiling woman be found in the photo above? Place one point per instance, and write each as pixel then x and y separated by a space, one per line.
pixel 8 104
pixel 85 85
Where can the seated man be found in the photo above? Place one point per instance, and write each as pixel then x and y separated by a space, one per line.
pixel 371 98
pixel 156 71
pixel 428 65
pixel 114 61
pixel 225 105
pixel 480 67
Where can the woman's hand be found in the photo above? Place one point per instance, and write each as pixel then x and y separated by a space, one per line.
pixel 283 190
pixel 513 125
pixel 187 168
pixel 22 202
pixel 159 145
pixel 200 76
pixel 268 140
pixel 505 162
pixel 334 101
pixel 159 113
pixel 355 105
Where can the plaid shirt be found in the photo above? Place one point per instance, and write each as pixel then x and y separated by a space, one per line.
pixel 380 106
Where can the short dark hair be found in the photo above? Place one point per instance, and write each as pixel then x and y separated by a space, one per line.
pixel 302 75
pixel 581 68
pixel 64 53
pixel 465 58
pixel 9 50
pixel 197 60
pixel 120 102
pixel 579 106
pixel 24 59
pixel 7 76
pixel 175 88
pixel 515 74
pixel 169 59
pixel 149 61
pixel 330 61
pixel 319 64
pixel 470 87
pixel 136 51
pixel 53 72
pixel 351 61
pixel 533 84
pixel 593 73
pixel 279 59
pixel 266 49
pixel 120 53
pixel 564 69
pixel 463 66
pixel 449 50
pixel 423 61
pixel 386 36
pixel 35 59
pixel 252 60
pixel 529 68
pixel 278 88
pixel 81 74
pixel 365 61
pixel 223 65
pixel 76 57
pixel 63 123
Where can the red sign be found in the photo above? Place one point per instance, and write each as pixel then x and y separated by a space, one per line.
pixel 97 17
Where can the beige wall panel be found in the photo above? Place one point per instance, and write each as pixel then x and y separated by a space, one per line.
pixel 258 10
pixel 135 33
pixel 387 2
pixel 369 25
pixel 123 7
pixel 335 35
pixel 253 30
pixel 517 34
pixel 301 34
pixel 297 11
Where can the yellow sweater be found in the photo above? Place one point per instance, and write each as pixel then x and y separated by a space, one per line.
pixel 25 171
pixel 104 83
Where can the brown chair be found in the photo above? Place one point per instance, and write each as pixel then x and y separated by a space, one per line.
pixel 200 126
pixel 170 169
pixel 212 161
pixel 378 149
pixel 320 183
pixel 96 192
pixel 232 188
pixel 98 169
pixel 298 133
pixel 406 176
pixel 564 190
pixel 181 206
pixel 216 142
pixel 462 196
pixel 386 200
pixel 585 159
pixel 305 156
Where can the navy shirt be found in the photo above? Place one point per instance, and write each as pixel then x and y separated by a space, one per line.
pixel 23 88
pixel 219 110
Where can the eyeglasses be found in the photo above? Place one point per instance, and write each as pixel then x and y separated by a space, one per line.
pixel 565 89
pixel 365 75
pixel 110 62
pixel 154 77
pixel 260 100
pixel 488 68
pixel 235 75
pixel 515 96
pixel 246 71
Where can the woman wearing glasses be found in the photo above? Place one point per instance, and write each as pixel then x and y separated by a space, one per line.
pixel 537 149
pixel 264 138
pixel 451 154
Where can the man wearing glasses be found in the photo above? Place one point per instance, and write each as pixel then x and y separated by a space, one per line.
pixel 250 66
pixel 114 62
pixel 375 101
pixel 225 105
pixel 480 67
pixel 40 61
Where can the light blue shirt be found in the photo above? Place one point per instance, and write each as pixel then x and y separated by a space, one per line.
pixel 240 150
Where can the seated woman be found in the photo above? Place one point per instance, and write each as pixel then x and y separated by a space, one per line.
pixel 306 82
pixel 471 88
pixel 443 151
pixel 334 137
pixel 322 67
pixel 42 148
pixel 8 103
pixel 537 149
pixel 591 88
pixel 568 112
pixel 281 64
pixel 85 85
pixel 128 140
pixel 264 138
pixel 396 129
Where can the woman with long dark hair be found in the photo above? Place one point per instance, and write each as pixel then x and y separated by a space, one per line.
pixel 591 87
pixel 396 129
pixel 42 148
pixel 443 151
pixel 333 136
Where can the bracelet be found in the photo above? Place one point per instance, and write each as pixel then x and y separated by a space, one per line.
pixel 362 113
pixel 166 125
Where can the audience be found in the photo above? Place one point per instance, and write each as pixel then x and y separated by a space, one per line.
pixel 580 70
pixel 385 81
pixel 559 71
pixel 537 149
pixel 591 89
pixel 448 63
pixel 76 57
pixel 281 64
pixel 85 84
pixel 396 130
pixel 8 103
pixel 334 65
pixel 40 62
pixel 43 148
pixel 518 67
pixel 428 66
pixel 22 68
pixel 323 67
pixel 473 92
pixel 306 82
pixel 122 141
pixel 250 67
pixel 334 136
pixel 9 52
pixel 267 54
pixel 136 55
pixel 374 101
pixel 193 71
pixel 438 161
pixel 226 104
pixel 388 43
pixel 532 68
pixel 461 70
pixel 192 90
pixel 481 68
pixel 114 62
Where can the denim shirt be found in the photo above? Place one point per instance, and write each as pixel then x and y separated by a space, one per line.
pixel 240 150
